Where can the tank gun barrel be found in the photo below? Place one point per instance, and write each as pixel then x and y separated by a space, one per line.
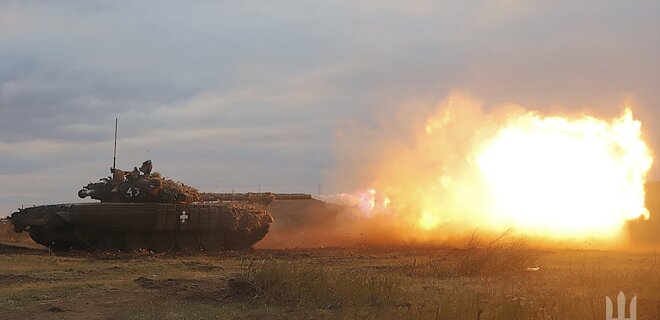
pixel 252 196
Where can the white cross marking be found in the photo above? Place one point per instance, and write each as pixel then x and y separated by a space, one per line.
pixel 183 216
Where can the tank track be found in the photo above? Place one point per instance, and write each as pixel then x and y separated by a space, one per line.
pixel 101 227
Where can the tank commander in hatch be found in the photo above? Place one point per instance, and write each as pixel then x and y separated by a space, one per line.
pixel 146 167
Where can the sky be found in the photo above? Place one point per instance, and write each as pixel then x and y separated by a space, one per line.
pixel 238 95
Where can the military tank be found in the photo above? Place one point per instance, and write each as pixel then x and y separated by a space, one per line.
pixel 140 210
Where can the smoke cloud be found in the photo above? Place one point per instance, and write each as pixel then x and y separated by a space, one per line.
pixel 434 172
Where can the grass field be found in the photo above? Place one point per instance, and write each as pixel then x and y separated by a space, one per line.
pixel 481 280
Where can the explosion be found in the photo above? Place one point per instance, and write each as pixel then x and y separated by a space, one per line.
pixel 566 177
pixel 369 202
pixel 561 177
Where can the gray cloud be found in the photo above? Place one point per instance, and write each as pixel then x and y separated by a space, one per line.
pixel 223 94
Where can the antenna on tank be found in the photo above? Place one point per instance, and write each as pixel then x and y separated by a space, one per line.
pixel 114 154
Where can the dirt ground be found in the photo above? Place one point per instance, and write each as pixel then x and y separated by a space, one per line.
pixel 296 273
pixel 360 283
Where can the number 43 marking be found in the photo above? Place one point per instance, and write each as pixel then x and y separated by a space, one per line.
pixel 133 192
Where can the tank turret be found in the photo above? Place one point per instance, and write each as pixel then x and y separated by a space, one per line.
pixel 139 185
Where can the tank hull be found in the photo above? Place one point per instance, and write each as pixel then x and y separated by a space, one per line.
pixel 159 227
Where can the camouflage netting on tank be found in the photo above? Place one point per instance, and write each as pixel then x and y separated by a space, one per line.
pixel 174 191
pixel 139 186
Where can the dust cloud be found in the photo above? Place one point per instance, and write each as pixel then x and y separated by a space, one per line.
pixel 419 174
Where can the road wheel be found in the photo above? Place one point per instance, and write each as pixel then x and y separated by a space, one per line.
pixel 187 241
pixel 95 240
pixel 162 242
pixel 134 242
pixel 212 240
pixel 108 241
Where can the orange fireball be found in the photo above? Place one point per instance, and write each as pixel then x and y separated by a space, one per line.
pixel 562 177
pixel 553 176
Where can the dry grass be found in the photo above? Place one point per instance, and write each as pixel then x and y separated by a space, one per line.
pixel 8 235
pixel 274 281
pixel 479 257
pixel 487 278
pixel 7 231
pixel 495 257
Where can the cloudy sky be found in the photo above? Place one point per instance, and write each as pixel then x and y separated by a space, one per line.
pixel 237 94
